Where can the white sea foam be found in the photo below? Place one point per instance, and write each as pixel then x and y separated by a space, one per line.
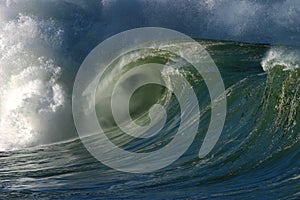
pixel 33 101
pixel 287 58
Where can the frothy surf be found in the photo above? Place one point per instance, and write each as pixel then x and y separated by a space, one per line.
pixel 287 58
pixel 33 98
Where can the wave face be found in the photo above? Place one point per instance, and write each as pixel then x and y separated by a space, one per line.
pixel 257 154
pixel 43 43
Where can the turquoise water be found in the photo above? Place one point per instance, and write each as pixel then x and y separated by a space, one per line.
pixel 42 44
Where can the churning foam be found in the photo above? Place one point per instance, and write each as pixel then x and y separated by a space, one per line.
pixel 287 58
pixel 33 101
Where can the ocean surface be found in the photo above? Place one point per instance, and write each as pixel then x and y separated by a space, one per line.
pixel 255 46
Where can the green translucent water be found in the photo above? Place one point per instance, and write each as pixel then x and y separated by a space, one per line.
pixel 257 155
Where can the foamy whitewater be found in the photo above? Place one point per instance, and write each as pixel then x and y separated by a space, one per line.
pixel 255 45
pixel 34 100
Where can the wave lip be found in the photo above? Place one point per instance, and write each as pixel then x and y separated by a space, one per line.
pixel 287 58
pixel 161 43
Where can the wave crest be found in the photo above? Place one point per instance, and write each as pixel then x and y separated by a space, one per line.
pixel 284 57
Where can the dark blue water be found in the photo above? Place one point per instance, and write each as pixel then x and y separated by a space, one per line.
pixel 42 44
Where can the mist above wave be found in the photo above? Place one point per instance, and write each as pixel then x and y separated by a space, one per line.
pixel 246 20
